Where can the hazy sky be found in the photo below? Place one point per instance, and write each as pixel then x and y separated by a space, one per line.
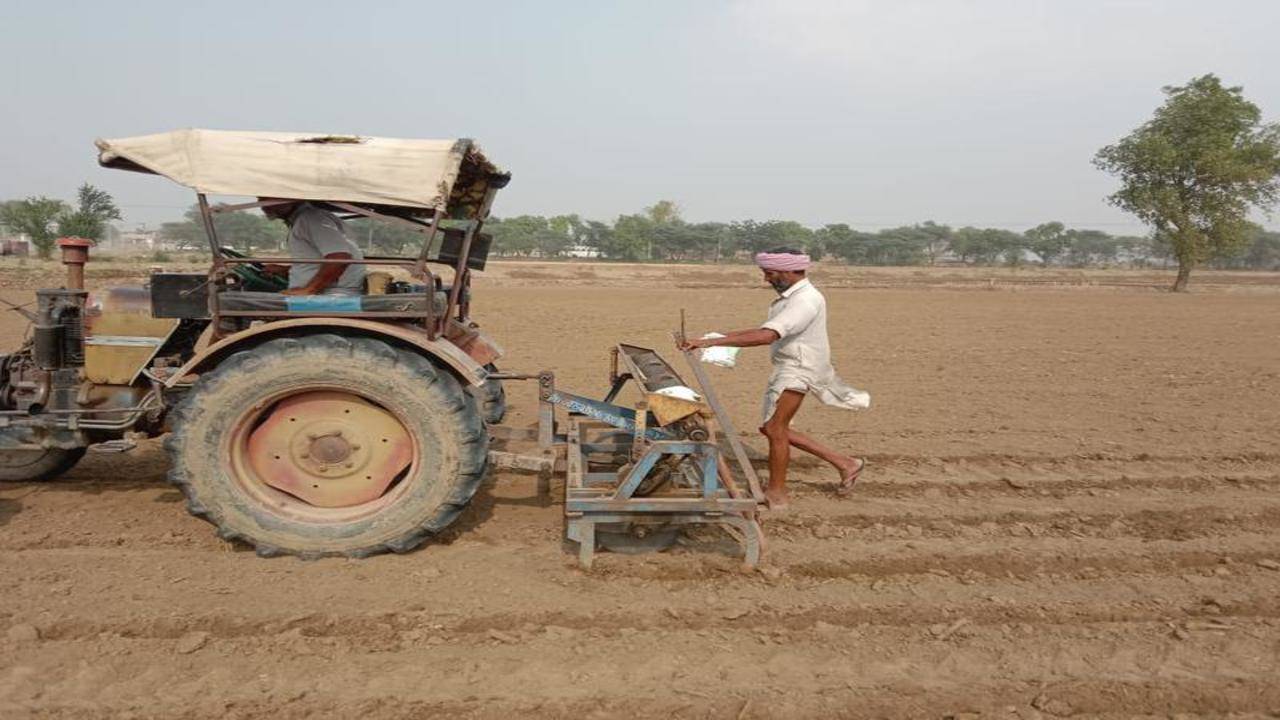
pixel 873 113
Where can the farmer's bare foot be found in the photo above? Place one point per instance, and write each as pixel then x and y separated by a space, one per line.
pixel 777 500
pixel 849 475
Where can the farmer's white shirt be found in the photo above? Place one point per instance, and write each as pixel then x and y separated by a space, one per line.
pixel 802 353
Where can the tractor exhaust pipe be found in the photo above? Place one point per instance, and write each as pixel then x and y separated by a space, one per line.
pixel 75 253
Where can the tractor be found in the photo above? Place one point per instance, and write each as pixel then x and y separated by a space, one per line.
pixel 307 425
pixel 349 425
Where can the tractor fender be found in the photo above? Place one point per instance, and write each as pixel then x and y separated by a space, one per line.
pixel 467 370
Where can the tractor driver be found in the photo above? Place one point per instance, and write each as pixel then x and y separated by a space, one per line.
pixel 316 233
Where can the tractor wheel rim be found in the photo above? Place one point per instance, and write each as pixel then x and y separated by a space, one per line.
pixel 322 455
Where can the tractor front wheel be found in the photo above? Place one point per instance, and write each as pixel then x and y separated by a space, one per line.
pixel 325 445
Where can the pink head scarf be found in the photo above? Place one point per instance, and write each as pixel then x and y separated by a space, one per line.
pixel 782 262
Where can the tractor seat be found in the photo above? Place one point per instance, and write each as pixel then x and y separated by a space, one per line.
pixel 411 304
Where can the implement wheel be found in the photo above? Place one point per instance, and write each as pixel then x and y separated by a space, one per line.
pixel 324 445
pixel 37 465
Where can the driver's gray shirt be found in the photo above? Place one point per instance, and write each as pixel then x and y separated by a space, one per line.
pixel 313 233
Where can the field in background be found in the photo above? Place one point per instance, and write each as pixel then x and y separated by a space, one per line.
pixel 1069 509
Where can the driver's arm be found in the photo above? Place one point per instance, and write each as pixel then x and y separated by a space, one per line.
pixel 325 277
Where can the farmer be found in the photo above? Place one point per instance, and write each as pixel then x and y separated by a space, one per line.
pixel 796 332
pixel 317 233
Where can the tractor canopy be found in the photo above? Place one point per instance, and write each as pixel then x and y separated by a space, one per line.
pixel 445 178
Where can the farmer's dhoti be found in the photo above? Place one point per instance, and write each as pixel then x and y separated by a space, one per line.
pixel 829 389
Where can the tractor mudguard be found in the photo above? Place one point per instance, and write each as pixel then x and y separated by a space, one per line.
pixel 467 370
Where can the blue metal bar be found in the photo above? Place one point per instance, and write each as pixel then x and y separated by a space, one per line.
pixel 646 462
pixel 638 472
pixel 710 470
pixel 619 417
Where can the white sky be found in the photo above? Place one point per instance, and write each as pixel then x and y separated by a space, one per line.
pixel 874 113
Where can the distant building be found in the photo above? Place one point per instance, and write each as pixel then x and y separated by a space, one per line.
pixel 140 240
pixel 15 246
pixel 582 251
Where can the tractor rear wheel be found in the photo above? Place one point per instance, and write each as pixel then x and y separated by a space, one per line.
pixel 37 465
pixel 325 445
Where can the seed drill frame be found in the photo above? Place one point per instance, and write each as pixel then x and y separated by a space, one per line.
pixel 655 465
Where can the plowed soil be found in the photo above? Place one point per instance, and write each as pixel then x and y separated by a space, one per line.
pixel 1070 508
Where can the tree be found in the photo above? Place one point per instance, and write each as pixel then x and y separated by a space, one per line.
pixel 517 235
pixel 391 238
pixel 631 239
pixel 94 208
pixel 663 211
pixel 898 246
pixel 980 246
pixel 852 246
pixel 240 230
pixel 1091 247
pixel 558 236
pixel 709 239
pixel 1047 240
pixel 597 235
pixel 1196 169
pixel 937 239
pixel 185 235
pixel 37 217
pixel 1261 253
pixel 837 239
pixel 757 237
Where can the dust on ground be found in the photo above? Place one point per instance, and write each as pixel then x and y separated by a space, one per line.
pixel 1069 510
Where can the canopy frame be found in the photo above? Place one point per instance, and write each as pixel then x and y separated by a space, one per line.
pixel 464 173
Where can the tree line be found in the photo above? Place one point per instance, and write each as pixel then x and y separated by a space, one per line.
pixel 43 219
pixel 660 234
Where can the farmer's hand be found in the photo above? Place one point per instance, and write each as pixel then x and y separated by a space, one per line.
pixel 692 344
pixel 276 269
pixel 298 291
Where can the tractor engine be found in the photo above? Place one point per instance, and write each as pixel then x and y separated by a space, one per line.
pixel 77 379
pixel 46 373
pixel 48 378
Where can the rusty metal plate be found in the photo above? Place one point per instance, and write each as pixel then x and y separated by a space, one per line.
pixel 670 409
pixel 330 449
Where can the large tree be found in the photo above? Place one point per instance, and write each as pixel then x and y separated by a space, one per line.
pixel 37 217
pixel 1196 170
pixel 88 220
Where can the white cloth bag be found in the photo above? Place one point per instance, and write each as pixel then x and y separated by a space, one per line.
pixel 719 355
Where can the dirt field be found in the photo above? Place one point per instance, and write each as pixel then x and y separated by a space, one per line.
pixel 1070 509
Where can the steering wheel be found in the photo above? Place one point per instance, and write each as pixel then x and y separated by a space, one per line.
pixel 253 276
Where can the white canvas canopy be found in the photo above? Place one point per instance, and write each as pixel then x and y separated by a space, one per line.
pixel 448 175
